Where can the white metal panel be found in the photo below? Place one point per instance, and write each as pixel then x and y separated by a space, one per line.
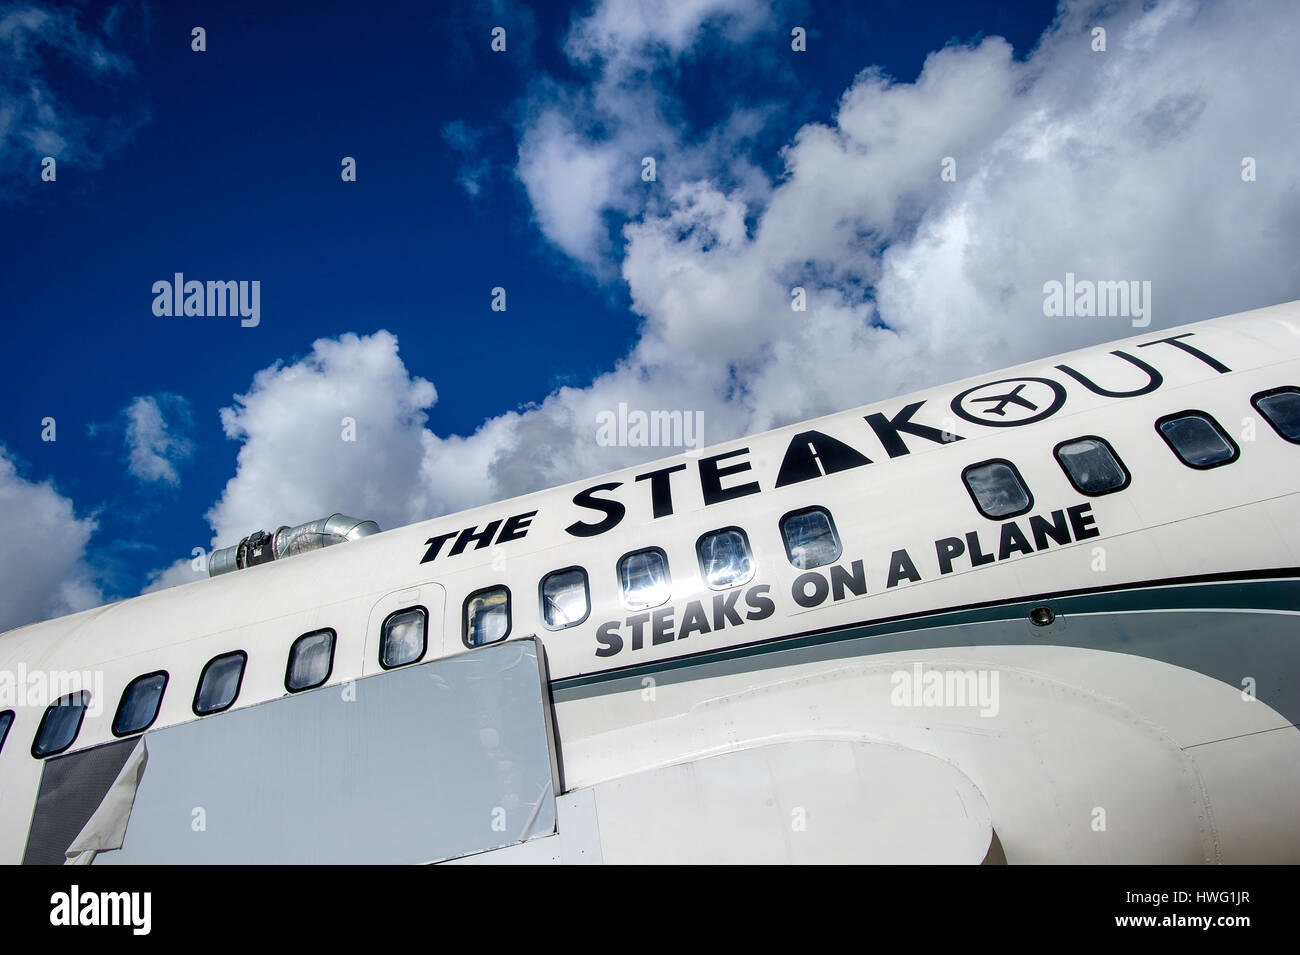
pixel 805 801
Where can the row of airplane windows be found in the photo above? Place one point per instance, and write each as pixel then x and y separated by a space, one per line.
pixel 645 582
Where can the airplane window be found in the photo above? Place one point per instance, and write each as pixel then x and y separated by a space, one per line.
pixel 997 489
pixel 643 579
pixel 1092 466
pixel 60 724
pixel 311 658
pixel 724 558
pixel 810 538
pixel 1197 439
pixel 565 599
pixel 487 617
pixel 140 702
pixel 1281 407
pixel 219 683
pixel 402 638
pixel 6 721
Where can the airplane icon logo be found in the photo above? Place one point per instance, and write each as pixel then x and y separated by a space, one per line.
pixel 1011 397
pixel 1010 402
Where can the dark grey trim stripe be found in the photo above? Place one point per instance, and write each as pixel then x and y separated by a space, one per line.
pixel 1248 591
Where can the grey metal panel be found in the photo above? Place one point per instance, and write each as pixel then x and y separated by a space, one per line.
pixel 72 787
pixel 576 841
pixel 413 765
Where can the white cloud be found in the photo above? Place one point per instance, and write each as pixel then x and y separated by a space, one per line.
pixel 42 49
pixel 1123 165
pixel 571 181
pixel 301 459
pixel 42 562
pixel 339 429
pixel 1117 165
pixel 582 146
pixel 181 572
pixel 155 444
pixel 465 141
pixel 625 35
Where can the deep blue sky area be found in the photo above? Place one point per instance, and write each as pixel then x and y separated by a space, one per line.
pixel 230 169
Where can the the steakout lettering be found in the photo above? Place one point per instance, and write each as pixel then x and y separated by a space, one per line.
pixel 811 454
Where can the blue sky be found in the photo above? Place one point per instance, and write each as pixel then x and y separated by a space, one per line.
pixel 522 170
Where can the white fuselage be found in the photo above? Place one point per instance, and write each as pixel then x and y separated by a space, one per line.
pixel 1153 719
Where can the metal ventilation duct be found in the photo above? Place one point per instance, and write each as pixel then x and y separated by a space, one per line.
pixel 261 547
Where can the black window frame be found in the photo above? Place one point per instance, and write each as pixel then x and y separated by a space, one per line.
pixel 798 512
pixel 541 596
pixel 618 577
pixel 239 685
pixel 81 721
pixel 464 617
pixel 1282 390
pixel 329 670
pixel 1236 450
pixel 1029 494
pixel 749 550
pixel 1128 475
pixel 4 732
pixel 424 649
pixel 122 702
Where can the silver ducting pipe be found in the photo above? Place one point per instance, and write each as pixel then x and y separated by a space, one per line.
pixel 261 547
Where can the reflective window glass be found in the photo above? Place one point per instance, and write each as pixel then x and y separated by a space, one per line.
pixel 403 638
pixel 997 489
pixel 1197 439
pixel 643 579
pixel 1282 409
pixel 565 599
pixel 810 538
pixel 725 560
pixel 140 702
pixel 487 617
pixel 6 721
pixel 1092 466
pixel 60 724
pixel 219 684
pixel 311 658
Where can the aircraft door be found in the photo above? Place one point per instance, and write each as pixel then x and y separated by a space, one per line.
pixel 406 626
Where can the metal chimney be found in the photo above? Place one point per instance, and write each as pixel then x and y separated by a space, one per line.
pixel 261 547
